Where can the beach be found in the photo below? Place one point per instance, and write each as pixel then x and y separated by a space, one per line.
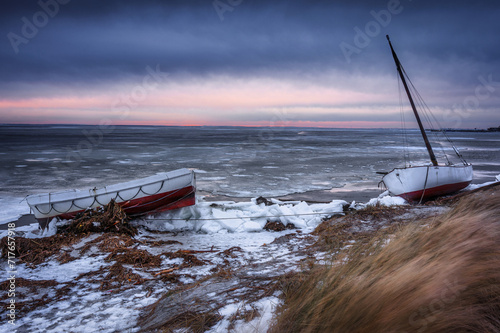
pixel 177 273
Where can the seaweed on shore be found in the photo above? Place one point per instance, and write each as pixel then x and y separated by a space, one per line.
pixel 113 277
pixel 278 226
pixel 110 218
pixel 119 276
pixel 189 259
pixel 32 294
pixel 109 242
pixel 136 257
pixel 36 251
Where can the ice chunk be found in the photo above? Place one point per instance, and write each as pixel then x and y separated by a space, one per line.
pixel 252 226
pixel 387 201
pixel 248 216
pixel 211 227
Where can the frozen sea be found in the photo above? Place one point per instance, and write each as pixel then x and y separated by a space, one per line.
pixel 232 163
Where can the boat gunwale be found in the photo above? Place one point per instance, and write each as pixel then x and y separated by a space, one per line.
pixel 84 194
pixel 427 166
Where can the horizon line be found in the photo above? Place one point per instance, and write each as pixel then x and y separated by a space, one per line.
pixel 236 125
pixel 163 125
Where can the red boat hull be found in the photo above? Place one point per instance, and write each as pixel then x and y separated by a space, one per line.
pixel 148 205
pixel 434 191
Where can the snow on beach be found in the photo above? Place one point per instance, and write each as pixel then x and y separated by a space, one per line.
pixel 197 244
pixel 252 216
pixel 208 228
pixel 476 186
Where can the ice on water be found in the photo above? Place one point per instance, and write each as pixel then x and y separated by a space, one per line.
pixel 229 161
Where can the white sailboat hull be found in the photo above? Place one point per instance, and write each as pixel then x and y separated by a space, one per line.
pixel 424 182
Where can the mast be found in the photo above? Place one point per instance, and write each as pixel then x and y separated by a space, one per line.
pixel 422 130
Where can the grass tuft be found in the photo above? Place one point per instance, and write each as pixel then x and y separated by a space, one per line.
pixel 437 275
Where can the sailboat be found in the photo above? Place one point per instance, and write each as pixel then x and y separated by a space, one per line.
pixel 418 183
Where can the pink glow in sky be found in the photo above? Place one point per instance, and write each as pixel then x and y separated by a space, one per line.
pixel 217 102
pixel 263 63
pixel 330 100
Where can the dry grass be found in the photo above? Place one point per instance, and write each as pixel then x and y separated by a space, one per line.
pixel 359 226
pixel 197 322
pixel 435 276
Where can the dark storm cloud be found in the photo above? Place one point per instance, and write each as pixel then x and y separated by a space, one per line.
pixel 87 42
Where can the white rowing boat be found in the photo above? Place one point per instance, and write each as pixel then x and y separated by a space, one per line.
pixel 163 191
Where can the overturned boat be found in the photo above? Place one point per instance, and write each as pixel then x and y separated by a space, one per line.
pixel 418 183
pixel 161 192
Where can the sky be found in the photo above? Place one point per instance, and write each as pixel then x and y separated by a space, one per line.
pixel 247 63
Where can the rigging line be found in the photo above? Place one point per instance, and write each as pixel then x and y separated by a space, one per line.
pixel 419 100
pixel 431 120
pixel 406 152
pixel 428 115
pixel 443 132
pixel 423 106
pixel 241 217
pixel 426 109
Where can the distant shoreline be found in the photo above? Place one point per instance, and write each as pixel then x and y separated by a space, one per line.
pixel 489 130
pixel 62 125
